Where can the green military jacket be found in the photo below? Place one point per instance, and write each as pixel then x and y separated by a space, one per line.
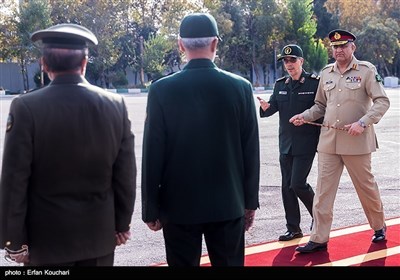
pixel 200 147
pixel 290 98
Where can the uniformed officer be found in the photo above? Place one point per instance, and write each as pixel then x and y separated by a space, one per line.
pixel 346 91
pixel 297 145
pixel 68 179
pixel 200 168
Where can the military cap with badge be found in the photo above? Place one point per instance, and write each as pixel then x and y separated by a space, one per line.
pixel 290 50
pixel 340 37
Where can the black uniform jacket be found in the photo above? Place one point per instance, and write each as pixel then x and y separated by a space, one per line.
pixel 69 172
pixel 201 157
pixel 291 98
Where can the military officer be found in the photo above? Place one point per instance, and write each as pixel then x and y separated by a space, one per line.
pixel 352 99
pixel 293 94
pixel 200 168
pixel 68 179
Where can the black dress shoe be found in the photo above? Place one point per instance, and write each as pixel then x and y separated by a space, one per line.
pixel 289 235
pixel 311 247
pixel 379 235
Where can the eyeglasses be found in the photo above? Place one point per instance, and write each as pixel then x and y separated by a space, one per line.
pixel 290 59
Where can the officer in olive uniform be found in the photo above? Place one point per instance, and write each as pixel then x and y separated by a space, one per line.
pixel 201 162
pixel 352 99
pixel 68 179
pixel 297 145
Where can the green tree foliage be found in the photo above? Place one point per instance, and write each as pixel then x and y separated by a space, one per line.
pixel 318 56
pixel 154 56
pixel 31 16
pixel 326 21
pixel 377 43
pixel 142 34
pixel 301 30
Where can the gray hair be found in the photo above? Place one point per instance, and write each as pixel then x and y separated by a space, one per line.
pixel 197 43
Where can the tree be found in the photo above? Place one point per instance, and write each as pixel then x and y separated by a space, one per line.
pixel 301 30
pixel 377 42
pixel 154 56
pixel 325 20
pixel 32 16
pixel 351 14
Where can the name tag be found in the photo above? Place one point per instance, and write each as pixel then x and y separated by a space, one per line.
pixel 282 92
pixel 306 92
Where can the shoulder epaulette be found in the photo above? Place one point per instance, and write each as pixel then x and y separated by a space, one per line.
pixel 313 76
pixel 281 78
pixel 366 63
pixel 328 66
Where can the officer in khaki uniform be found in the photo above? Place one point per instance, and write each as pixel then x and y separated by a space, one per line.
pixel 297 145
pixel 351 98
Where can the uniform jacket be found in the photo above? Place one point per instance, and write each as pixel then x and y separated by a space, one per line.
pixel 69 173
pixel 290 98
pixel 357 94
pixel 201 147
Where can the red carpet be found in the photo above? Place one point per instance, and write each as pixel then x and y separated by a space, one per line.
pixel 349 246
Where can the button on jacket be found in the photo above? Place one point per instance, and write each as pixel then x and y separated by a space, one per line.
pixel 336 99
pixel 290 98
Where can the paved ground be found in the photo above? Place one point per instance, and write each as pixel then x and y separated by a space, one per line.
pixel 147 248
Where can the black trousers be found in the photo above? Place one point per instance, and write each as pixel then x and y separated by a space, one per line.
pixel 295 170
pixel 107 260
pixel 224 241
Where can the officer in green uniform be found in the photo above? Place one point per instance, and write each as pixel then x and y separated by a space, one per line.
pixel 201 158
pixel 293 94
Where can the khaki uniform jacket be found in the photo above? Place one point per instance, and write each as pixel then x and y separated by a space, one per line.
pixel 201 160
pixel 69 173
pixel 342 99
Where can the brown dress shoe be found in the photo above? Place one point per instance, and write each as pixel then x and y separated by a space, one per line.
pixel 289 235
pixel 379 235
pixel 311 247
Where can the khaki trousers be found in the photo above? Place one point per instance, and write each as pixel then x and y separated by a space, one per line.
pixel 330 169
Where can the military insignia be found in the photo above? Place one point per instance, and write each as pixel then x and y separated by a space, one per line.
pixel 378 78
pixel 10 122
pixel 337 36
pixel 314 76
pixel 282 92
pixel 288 50
pixel 356 79
pixel 302 80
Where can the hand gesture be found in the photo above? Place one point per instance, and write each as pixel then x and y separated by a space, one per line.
pixel 263 104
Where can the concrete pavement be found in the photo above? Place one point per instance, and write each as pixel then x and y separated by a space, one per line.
pixel 146 247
